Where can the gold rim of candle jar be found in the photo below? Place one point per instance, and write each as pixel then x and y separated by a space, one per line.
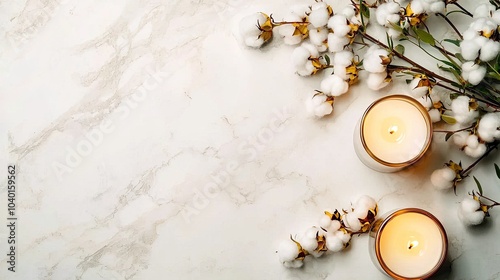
pixel 404 211
pixel 422 110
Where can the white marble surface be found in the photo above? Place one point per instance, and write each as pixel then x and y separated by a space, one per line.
pixel 172 101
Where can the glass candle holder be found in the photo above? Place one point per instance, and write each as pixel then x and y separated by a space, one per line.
pixel 408 243
pixel 393 133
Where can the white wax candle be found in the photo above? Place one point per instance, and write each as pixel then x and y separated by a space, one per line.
pixel 411 245
pixel 393 133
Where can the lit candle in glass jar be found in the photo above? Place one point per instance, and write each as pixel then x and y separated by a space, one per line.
pixel 394 132
pixel 408 244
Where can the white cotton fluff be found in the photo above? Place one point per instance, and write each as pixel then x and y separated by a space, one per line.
pixel 351 221
pixel 489 127
pixel 435 6
pixel 337 43
pixel 249 30
pixel 460 138
pixel 300 58
pixel 496 16
pixel 339 25
pixel 365 201
pixel 473 73
pixel 343 236
pixel 373 59
pixel 483 25
pixel 288 252
pixel 350 13
pixel 334 243
pixel 318 107
pixel 469 212
pixel 469 49
pixel 473 147
pixel 443 178
pixel 309 241
pixel 319 14
pixel 318 36
pixel 425 101
pixel 388 13
pixel 334 85
pixel 343 58
pixel 377 81
pixel 489 50
pixel 418 7
pixel 417 91
pixel 462 112
pixel 483 11
pixel 287 30
pixel 435 115
pixel 328 224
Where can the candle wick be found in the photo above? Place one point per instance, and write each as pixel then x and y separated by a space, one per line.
pixel 391 132
pixel 411 246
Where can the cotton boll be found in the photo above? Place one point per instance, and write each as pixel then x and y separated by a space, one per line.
pixel 350 13
pixel 469 49
pixel 417 91
pixel 425 101
pixel 337 43
pixel 485 26
pixel 319 15
pixel 351 221
pixel 325 221
pixel 318 106
pixel 470 34
pixel 461 111
pixel 286 31
pixel 475 152
pixel 373 59
pixel 460 138
pixel 249 29
pixel 435 115
pixel 361 211
pixel 334 85
pixel 483 10
pixel 343 236
pixel 443 178
pixel 377 81
pixel 387 13
pixel 489 127
pixel 496 17
pixel 472 141
pixel 339 25
pixel 343 58
pixel 489 50
pixel 473 73
pixel 299 56
pixel 333 243
pixel 469 212
pixel 287 251
pixel 418 7
pixel 366 201
pixel 318 36
pixel 437 7
pixel 334 226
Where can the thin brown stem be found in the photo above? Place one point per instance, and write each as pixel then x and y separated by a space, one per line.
pixel 463 9
pixel 451 24
pixel 495 203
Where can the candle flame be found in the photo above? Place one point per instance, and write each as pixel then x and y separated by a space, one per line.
pixel 412 244
pixel 393 129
